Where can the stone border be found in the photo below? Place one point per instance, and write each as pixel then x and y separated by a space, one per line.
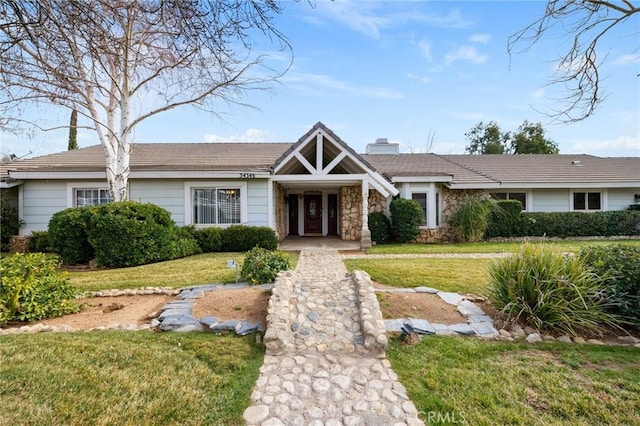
pixel 371 321
pixel 279 337
pixel 478 323
pixel 174 316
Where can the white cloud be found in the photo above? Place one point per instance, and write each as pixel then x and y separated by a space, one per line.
pixel 423 80
pixel 630 59
pixel 622 146
pixel 538 93
pixel 425 47
pixel 480 38
pixel 249 135
pixel 310 81
pixel 465 53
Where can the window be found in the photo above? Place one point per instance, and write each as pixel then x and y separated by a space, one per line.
pixel 437 209
pixel 216 206
pixel 586 201
pixel 91 197
pixel 421 198
pixel 520 196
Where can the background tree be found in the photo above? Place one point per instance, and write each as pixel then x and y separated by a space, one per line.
pixel 529 139
pixel 73 131
pixel 487 139
pixel 121 62
pixel 587 23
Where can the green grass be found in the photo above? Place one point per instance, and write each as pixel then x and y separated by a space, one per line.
pixel 126 378
pixel 564 246
pixel 457 275
pixel 478 382
pixel 205 268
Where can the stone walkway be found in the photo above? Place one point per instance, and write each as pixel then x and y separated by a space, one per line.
pixel 329 366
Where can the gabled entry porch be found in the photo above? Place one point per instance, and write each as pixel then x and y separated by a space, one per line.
pixel 323 188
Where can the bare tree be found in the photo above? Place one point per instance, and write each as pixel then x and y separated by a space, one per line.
pixel 587 22
pixel 120 62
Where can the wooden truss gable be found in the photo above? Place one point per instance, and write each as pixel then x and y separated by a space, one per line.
pixel 320 155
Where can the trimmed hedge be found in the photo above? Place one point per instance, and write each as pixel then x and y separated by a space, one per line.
pixel 504 219
pixel 39 242
pixel 565 224
pixel 406 218
pixel 244 238
pixel 209 239
pixel 380 228
pixel 128 233
pixel 619 267
pixel 68 234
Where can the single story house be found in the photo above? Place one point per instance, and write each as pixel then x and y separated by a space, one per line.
pixel 317 186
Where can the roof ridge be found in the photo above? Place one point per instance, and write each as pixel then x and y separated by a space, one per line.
pixel 466 167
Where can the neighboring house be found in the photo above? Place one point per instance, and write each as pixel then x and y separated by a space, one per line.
pixel 317 186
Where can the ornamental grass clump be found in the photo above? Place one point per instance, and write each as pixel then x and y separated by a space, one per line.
pixel 550 291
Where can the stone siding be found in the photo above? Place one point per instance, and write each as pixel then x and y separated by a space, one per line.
pixel 452 199
pixel 281 211
pixel 351 213
pixel 377 203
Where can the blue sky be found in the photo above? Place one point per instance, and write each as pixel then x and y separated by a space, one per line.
pixel 412 72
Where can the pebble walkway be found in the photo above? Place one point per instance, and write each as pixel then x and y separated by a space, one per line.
pixel 330 378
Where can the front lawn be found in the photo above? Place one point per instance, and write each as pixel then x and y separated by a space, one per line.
pixel 485 247
pixel 472 381
pixel 205 268
pixel 128 378
pixel 457 275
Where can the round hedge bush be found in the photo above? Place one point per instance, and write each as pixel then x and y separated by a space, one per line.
pixel 380 228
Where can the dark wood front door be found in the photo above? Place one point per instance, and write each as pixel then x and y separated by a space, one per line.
pixel 332 214
pixel 293 214
pixel 313 214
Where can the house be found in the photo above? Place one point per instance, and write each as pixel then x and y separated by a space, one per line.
pixel 317 186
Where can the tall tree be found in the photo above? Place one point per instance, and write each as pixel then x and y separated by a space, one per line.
pixel 487 139
pixel 73 131
pixel 528 139
pixel 587 23
pixel 121 62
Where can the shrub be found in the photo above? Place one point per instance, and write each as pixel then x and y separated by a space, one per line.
pixel 128 233
pixel 9 223
pixel 209 239
pixel 619 266
pixel 406 218
pixel 68 234
pixel 33 289
pixel 504 219
pixel 243 238
pixel 380 227
pixel 39 242
pixel 471 219
pixel 549 291
pixel 262 265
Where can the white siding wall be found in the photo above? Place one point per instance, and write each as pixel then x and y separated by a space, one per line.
pixel 621 198
pixel 39 201
pixel 167 193
pixel 549 200
pixel 258 202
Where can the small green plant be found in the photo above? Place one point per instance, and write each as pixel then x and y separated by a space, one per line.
pixel 9 222
pixel 619 266
pixel 68 231
pixel 39 242
pixel 380 228
pixel 33 289
pixel 262 265
pixel 209 239
pixel 550 291
pixel 471 219
pixel 406 218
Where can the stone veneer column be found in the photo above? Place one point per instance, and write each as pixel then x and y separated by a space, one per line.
pixel 365 235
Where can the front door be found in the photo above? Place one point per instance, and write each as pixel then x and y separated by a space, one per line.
pixel 293 214
pixel 313 214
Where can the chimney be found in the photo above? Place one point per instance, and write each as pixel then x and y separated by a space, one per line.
pixel 382 146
